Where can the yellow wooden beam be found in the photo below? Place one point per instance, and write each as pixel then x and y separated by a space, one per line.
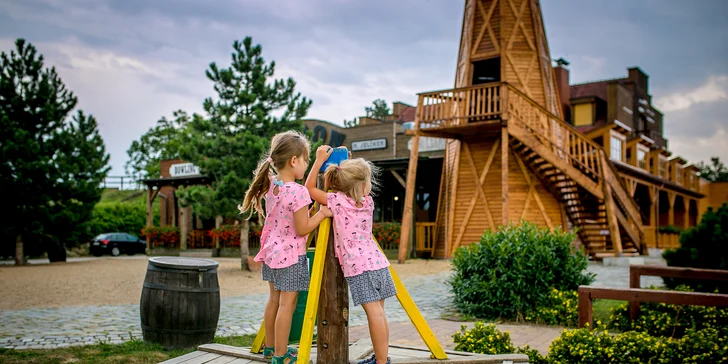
pixel 414 314
pixel 314 290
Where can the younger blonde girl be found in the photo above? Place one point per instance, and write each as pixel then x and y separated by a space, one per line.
pixel 365 267
pixel 283 239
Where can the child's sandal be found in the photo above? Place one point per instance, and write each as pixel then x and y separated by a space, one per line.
pixel 268 353
pixel 282 359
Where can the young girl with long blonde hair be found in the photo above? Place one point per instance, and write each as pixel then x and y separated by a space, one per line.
pixel 365 268
pixel 283 239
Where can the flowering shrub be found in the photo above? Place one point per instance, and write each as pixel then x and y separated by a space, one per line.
pixel 387 234
pixel 661 319
pixel 487 339
pixel 161 236
pixel 582 346
pixel 513 271
pixel 483 339
pixel 561 309
pixel 228 235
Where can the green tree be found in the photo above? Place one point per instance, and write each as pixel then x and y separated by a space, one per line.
pixel 51 166
pixel 227 143
pixel 158 143
pixel 378 110
pixel 351 123
pixel 716 171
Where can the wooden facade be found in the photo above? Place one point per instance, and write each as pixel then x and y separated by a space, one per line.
pixel 510 154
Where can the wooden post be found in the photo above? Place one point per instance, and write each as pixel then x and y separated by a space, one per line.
pixel 634 282
pixel 612 222
pixel 184 224
pixel 149 217
pixel 671 211
pixel 216 240
pixel 19 251
pixel 409 192
pixel 332 342
pixel 585 309
pixel 504 172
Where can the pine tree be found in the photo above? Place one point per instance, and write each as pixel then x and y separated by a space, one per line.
pixel 228 142
pixel 51 168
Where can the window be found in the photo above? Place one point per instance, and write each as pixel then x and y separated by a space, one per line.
pixel 662 166
pixel 641 158
pixel 583 114
pixel 486 71
pixel 615 148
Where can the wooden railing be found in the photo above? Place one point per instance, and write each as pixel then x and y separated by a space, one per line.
pixel 426 236
pixel 199 239
pixel 459 106
pixel 568 143
pixel 636 272
pixel 635 294
pixel 668 240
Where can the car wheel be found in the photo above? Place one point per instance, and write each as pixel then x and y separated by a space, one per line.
pixel 115 251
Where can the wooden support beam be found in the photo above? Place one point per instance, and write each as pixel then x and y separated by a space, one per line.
pixel 671 211
pixel 504 174
pixel 398 178
pixel 612 219
pixel 409 192
pixel 623 221
pixel 150 221
pixel 332 341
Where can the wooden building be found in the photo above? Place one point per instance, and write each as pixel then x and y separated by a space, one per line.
pixel 522 144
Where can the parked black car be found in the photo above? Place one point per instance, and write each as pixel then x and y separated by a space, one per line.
pixel 116 243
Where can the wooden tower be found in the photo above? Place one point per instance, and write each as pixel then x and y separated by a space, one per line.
pixel 510 156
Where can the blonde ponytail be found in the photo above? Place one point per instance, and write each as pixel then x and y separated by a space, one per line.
pixel 257 190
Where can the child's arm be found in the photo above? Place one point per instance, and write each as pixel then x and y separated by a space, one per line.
pixel 305 225
pixel 322 154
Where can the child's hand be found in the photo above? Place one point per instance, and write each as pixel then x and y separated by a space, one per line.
pixel 326 211
pixel 323 152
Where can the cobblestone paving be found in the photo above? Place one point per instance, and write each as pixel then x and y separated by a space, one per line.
pixel 61 327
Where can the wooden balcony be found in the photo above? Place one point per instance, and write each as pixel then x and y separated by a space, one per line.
pixel 462 111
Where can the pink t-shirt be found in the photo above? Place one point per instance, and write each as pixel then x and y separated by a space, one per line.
pixel 356 250
pixel 280 246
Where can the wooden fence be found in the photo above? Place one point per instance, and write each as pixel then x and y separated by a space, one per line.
pixel 635 294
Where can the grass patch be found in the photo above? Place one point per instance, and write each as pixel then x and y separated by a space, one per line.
pixel 130 352
pixel 601 309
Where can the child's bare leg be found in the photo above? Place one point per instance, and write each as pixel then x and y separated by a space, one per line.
pixel 386 323
pixel 286 306
pixel 378 329
pixel 269 317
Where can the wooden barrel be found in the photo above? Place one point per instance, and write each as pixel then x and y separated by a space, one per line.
pixel 180 302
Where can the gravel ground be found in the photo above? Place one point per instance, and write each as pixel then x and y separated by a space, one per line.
pixel 114 281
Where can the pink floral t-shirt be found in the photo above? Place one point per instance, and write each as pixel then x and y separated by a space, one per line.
pixel 280 246
pixel 356 250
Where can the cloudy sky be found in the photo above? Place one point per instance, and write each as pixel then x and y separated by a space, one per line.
pixel 133 61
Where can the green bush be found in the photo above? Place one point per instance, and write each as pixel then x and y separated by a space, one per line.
pixel 660 319
pixel 561 309
pixel 582 346
pixel 703 246
pixel 487 339
pixel 117 217
pixel 512 271
pixel 483 339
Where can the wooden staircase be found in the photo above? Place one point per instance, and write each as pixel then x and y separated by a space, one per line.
pixel 578 172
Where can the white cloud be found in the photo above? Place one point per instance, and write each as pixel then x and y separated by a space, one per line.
pixel 702 149
pixel 714 89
